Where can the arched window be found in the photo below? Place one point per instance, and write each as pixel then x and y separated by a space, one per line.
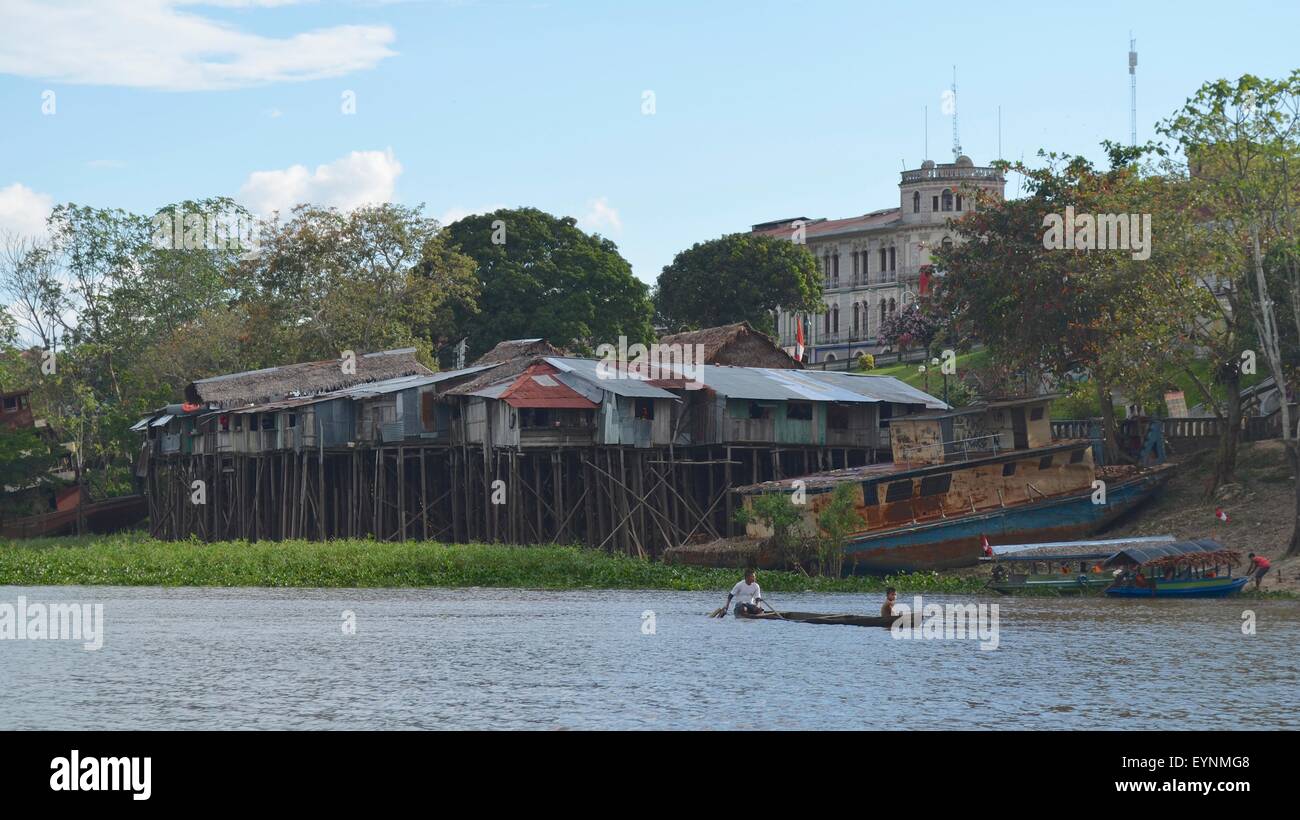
pixel 835 319
pixel 947 200
pixel 827 320
pixel 959 202
pixel 893 307
pixel 946 244
pixel 883 307
pixel 857 322
pixel 916 202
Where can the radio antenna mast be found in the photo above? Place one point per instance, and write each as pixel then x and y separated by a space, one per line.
pixel 956 140
pixel 1133 91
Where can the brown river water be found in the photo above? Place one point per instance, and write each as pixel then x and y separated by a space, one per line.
pixel 523 659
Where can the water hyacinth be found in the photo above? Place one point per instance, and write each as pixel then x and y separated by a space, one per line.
pixel 137 560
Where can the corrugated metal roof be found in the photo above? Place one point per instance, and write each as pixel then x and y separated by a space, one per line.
pixel 141 424
pixel 762 383
pixel 396 385
pixel 627 385
pixel 494 391
pixel 161 420
pixel 1145 554
pixel 880 388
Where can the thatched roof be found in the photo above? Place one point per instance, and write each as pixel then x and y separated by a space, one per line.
pixel 511 358
pixel 306 378
pixel 519 348
pixel 737 344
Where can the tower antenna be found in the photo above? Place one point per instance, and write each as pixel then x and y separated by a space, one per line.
pixel 1132 91
pixel 956 140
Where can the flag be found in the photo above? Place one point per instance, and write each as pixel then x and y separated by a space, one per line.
pixel 798 341
pixel 1220 514
pixel 984 543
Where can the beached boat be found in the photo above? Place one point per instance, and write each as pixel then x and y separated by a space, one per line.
pixel 1187 569
pixel 988 473
pixel 819 618
pixel 101 517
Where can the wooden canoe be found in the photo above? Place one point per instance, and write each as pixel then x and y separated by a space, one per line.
pixel 819 618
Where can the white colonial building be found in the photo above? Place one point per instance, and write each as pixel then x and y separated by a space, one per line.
pixel 872 264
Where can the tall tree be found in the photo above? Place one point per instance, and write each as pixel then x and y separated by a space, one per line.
pixel 1059 308
pixel 541 276
pixel 738 277
pixel 373 278
pixel 1242 144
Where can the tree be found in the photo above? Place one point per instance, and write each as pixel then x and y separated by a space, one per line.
pixel 838 520
pixel 913 326
pixel 1116 314
pixel 740 277
pixel 539 275
pixel 373 278
pixel 1242 144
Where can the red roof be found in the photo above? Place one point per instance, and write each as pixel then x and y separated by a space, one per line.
pixel 538 387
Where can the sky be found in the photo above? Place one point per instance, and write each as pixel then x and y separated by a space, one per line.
pixel 655 124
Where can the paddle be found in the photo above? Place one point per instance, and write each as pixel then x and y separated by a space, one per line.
pixel 720 612
pixel 774 612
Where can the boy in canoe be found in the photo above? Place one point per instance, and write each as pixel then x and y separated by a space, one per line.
pixel 1259 568
pixel 887 608
pixel 747 595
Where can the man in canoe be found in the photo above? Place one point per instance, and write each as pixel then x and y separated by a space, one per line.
pixel 1259 567
pixel 887 608
pixel 747 596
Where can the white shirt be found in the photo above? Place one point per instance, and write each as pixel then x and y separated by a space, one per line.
pixel 746 593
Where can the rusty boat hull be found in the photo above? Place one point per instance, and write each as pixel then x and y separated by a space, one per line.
pixel 957 540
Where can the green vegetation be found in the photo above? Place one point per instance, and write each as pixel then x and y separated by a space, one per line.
pixel 735 278
pixel 135 560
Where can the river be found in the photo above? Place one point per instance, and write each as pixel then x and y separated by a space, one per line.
pixel 520 659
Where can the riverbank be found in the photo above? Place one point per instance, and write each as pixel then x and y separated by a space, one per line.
pixel 136 560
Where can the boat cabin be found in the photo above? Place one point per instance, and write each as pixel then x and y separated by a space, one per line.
pixel 980 429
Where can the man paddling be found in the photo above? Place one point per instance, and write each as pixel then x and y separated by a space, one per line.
pixel 747 595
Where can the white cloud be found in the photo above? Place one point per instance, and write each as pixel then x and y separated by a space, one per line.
pixel 24 211
pixel 360 178
pixel 457 213
pixel 601 216
pixel 161 44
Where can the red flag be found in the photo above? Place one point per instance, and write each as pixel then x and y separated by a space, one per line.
pixel 1220 514
pixel 984 542
pixel 798 341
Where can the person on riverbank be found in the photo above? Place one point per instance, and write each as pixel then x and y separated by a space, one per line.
pixel 747 594
pixel 1259 568
pixel 887 608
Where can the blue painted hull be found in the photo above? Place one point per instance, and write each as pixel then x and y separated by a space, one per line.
pixel 1202 588
pixel 956 541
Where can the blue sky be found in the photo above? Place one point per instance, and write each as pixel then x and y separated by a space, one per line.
pixel 762 110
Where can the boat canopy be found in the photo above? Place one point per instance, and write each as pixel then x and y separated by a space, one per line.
pixel 1199 552
pixel 1040 558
